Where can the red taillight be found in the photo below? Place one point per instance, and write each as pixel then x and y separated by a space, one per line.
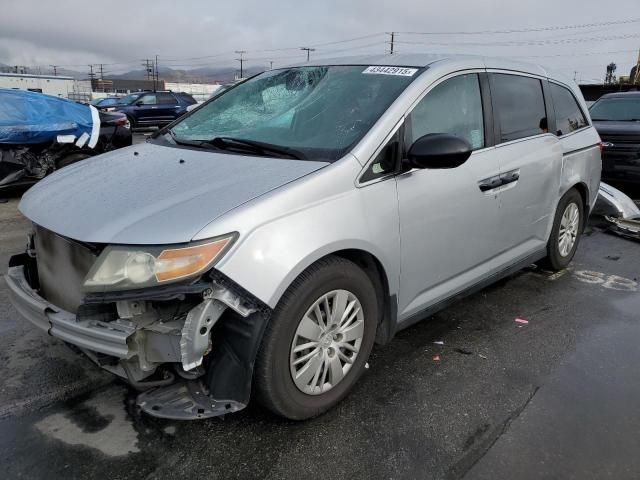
pixel 121 122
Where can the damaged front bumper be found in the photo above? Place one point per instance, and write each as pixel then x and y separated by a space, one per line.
pixel 140 342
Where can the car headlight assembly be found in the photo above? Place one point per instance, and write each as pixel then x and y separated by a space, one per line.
pixel 122 267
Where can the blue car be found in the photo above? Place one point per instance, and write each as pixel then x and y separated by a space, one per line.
pixel 101 103
pixel 153 109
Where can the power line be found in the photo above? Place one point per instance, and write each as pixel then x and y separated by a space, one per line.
pixel 526 30
pixel 515 43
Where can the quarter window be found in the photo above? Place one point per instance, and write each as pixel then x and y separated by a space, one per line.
pixel 569 116
pixel 454 107
pixel 519 106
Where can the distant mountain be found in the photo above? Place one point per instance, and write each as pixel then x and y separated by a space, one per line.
pixel 196 75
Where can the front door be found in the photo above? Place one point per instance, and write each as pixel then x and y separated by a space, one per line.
pixel 448 217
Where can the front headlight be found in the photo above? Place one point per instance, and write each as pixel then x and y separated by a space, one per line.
pixel 129 267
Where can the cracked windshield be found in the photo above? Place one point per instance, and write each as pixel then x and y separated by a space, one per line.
pixel 315 112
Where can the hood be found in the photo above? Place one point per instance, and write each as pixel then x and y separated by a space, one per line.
pixel 617 128
pixel 152 194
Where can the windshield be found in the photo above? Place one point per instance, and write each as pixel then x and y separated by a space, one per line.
pixel 129 99
pixel 317 111
pixel 616 109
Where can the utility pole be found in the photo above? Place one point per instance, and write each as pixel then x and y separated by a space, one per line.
pixel 157 80
pixel 393 34
pixel 55 70
pixel 271 65
pixel 308 50
pixel 101 72
pixel 147 68
pixel 241 60
pixel 92 76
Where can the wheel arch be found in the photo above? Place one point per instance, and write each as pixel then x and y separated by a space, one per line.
pixel 583 190
pixel 377 273
pixel 378 276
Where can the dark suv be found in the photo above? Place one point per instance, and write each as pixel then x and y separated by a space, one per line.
pixel 151 109
pixel 616 117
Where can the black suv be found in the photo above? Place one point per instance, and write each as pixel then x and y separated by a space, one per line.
pixel 616 116
pixel 153 109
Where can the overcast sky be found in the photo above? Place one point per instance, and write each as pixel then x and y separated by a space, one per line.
pixel 121 33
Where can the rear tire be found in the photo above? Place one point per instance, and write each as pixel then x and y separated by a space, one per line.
pixel 568 225
pixel 336 366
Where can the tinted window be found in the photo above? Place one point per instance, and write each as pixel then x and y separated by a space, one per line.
pixel 569 116
pixel 519 106
pixel 617 109
pixel 166 99
pixel 455 107
pixel 188 99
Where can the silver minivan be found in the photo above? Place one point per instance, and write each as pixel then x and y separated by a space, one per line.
pixel 264 242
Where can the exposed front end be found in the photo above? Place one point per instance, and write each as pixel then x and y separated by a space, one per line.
pixel 188 345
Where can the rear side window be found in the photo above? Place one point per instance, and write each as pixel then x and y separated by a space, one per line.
pixel 166 99
pixel 454 107
pixel 149 100
pixel 188 99
pixel 518 106
pixel 569 116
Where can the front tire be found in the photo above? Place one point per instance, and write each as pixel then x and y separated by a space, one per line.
pixel 568 225
pixel 318 340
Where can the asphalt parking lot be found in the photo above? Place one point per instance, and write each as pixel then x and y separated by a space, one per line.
pixel 555 397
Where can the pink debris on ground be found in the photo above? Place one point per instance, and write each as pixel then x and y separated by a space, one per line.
pixel 436 358
pixel 522 321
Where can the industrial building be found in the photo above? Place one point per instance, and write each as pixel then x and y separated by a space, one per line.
pixel 58 86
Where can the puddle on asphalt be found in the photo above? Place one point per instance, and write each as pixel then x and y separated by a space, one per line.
pixel 100 423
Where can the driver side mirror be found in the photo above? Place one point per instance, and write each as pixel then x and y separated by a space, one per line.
pixel 139 103
pixel 438 150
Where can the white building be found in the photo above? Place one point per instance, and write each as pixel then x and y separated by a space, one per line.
pixel 199 91
pixel 58 86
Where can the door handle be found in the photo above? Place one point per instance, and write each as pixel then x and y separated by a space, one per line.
pixel 510 177
pixel 499 180
pixel 490 183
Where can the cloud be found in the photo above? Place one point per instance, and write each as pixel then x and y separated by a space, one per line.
pixel 75 32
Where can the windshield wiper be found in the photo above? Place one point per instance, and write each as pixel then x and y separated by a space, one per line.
pixel 191 143
pixel 252 146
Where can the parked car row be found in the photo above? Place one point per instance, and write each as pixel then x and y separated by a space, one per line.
pixel 149 109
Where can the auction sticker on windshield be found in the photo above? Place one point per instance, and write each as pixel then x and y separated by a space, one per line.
pixel 402 71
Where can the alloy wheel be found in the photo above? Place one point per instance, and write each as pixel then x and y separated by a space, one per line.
pixel 569 224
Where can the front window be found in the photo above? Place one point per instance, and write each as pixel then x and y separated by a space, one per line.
pixel 319 112
pixel 616 109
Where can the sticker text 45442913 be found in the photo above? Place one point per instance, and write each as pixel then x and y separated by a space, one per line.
pixel 380 70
